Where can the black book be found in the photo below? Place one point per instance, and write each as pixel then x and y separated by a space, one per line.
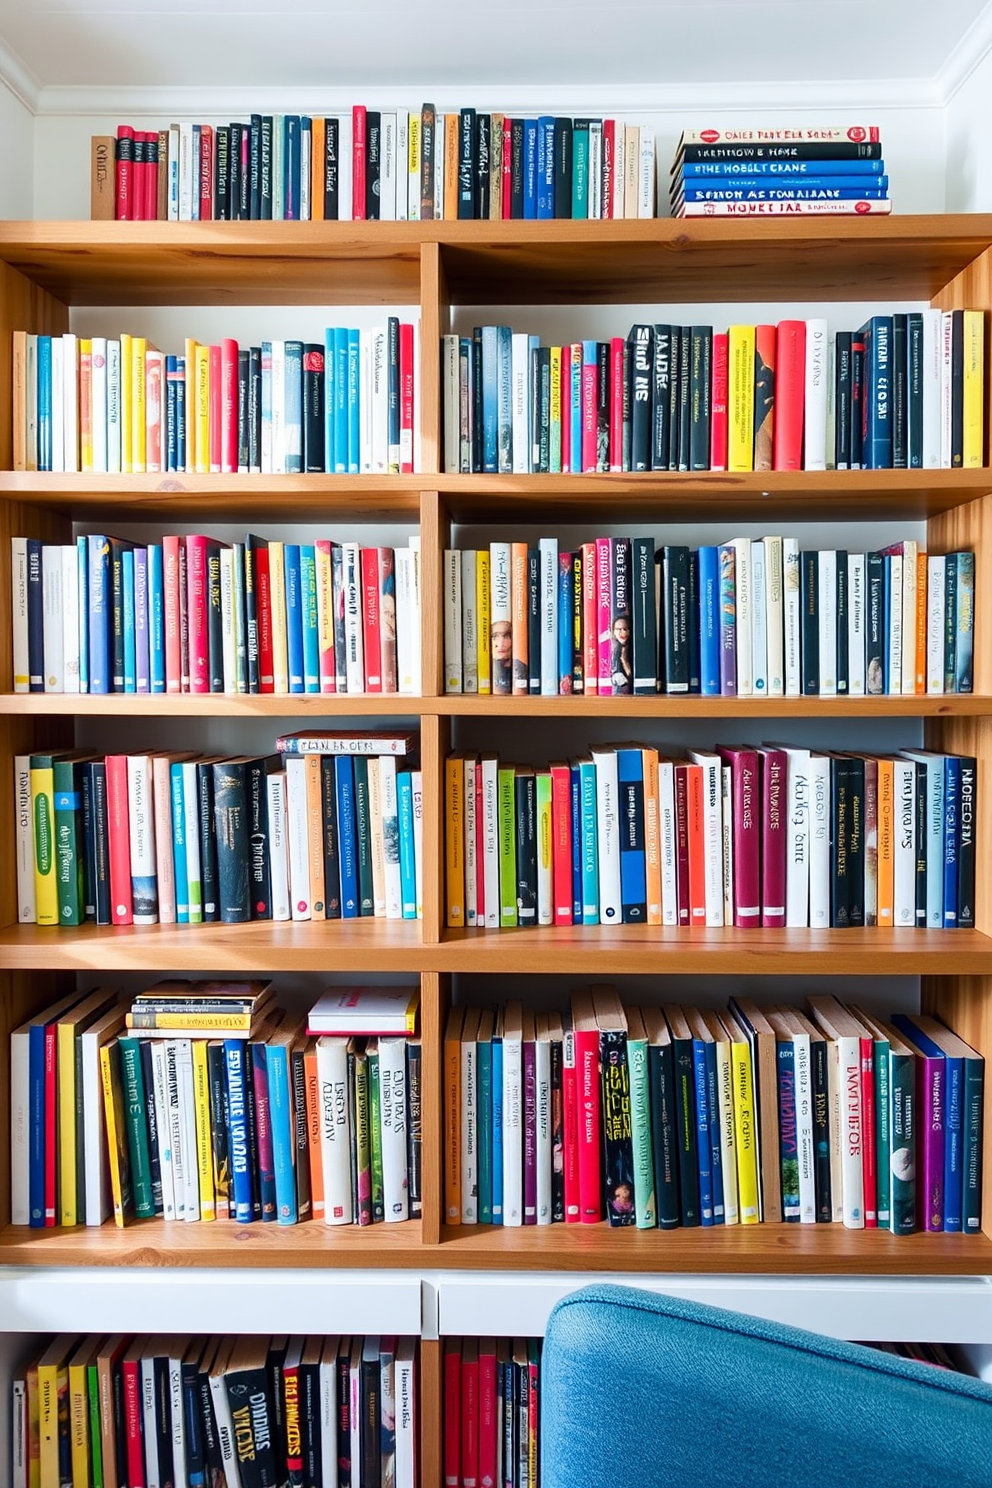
pixel 208 844
pixel 700 382
pixel 96 866
pixel 393 390
pixel 809 583
pixel 685 1115
pixel 644 628
pixel 922 806
pixel 674 399
pixel 842 401
pixel 244 382
pixel 661 1078
pixel 557 1133
pixel 914 389
pixel 602 406
pixel 641 341
pixel 219 1126
pixel 313 408
pixel 215 619
pixel 255 168
pixel 675 580
pixel 821 1126
pixel 234 174
pixel 371 1406
pixel 957 389
pixel 343 1394
pixel 967 813
pixel 117 547
pixel 329 830
pixel 275 1360
pixel 516 168
pixel 621 651
pixel 309 1401
pixel 856 842
pixel 544 409
pixel 483 166
pixel 332 169
pixel 249 1397
pixel 259 865
pixel 373 163
pixel 843 622
pixel 222 173
pixel 466 164
pixel 414 1110
pixel 840 829
pixel 192 1415
pixel 660 396
pixel 265 169
pixel 685 396
pixel 618 1144
pixel 301 1136
pixel 232 841
pixel 363 841
pixel 212 1453
pixel 244 177
pixel 525 799
pixel 857 398
pixel 36 622
pixel 154 1161
pixel 475 363
pixel 255 410
pixel 810 150
pixel 900 393
pixel 252 544
pixel 874 624
pixel 563 168
pixel 163 1417
pixel 693 624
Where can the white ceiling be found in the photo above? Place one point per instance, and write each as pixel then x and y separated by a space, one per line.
pixel 112 44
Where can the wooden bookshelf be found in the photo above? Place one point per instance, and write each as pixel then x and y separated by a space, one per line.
pixel 47 269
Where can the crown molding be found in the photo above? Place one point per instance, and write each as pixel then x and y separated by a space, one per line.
pixel 969 54
pixel 19 79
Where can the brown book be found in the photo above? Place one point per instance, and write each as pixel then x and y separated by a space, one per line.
pixel 764 1062
pixel 496 168
pixel 103 178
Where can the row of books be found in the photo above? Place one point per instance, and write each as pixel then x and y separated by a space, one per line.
pixel 184 1108
pixel 772 836
pixel 658 1117
pixel 194 614
pixel 904 391
pixel 371 164
pixel 348 405
pixel 246 1412
pixel 740 172
pixel 157 838
pixel 751 617
pixel 492 1412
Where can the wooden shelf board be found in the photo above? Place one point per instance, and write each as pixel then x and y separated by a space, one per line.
pixel 292 706
pixel 155 1243
pixel 754 1249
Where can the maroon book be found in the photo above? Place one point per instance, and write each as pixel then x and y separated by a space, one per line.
pixel 682 842
pixel 774 808
pixel 746 781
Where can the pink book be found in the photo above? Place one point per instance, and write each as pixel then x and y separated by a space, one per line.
pixel 588 1099
pixel 358 163
pixel 746 787
pixel 616 403
pixel 154 389
pixel 470 1414
pixel 609 185
pixel 199 635
pixel 407 412
pixel 229 406
pixel 774 805
pixel 170 596
pixel 506 211
pixel 589 390
pixel 118 840
pixel 164 865
pixel 488 1416
pixel 790 394
pixel 387 619
pixel 480 863
pixel 718 402
pixel 604 589
pixel 570 1131
pixel 370 620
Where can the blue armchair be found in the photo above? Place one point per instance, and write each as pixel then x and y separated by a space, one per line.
pixel 646 1391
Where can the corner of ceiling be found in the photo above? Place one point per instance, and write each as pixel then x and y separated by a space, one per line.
pixel 970 52
pixel 20 80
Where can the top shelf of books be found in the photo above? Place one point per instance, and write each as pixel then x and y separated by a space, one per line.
pixel 665 261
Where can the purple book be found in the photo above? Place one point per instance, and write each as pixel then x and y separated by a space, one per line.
pixel 141 669
pixel 263 1132
pixel 930 1086
pixel 728 621
pixel 530 1133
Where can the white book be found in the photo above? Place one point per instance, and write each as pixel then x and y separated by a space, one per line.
pixel 278 850
pixel 470 623
pixel 174 1123
pixel 910 580
pixel 70 619
pixel 402 165
pixel 328 1383
pixel 278 438
pixel 831 426
pixel 712 833
pixel 931 388
pixel 946 396
pixel 390 837
pixel 190 1165
pixel 469 1119
pixel 191 815
pixel 793 617
pixel 815 413
pixel 895 618
pixel 345 165
pixel 520 382
pixel 542 1081
pixel 489 765
pixel 727 801
pixel 406 1415
pixel 186 173
pixel 669 858
pixel 936 622
pixel 51 588
pixel 58 407
pixel 775 615
pixel 113 410
pixel 265 438
pixel 819 844
pixel 440 128
pixel 172 182
pixel 387 167
pixel 904 843
pixel 856 628
pixel 742 580
pixel 513 1153
pixel 365 402
pixel 471 766
pixel 827 620
pixel 230 666
pixel 619 168
pixel 70 405
pixel 549 616
pixel 595 169
pixel 354 646
pixel 298 836
pixel 379 366
pixel 797 840
pixel 24 843
pixel 848 1059
pixel 647 193
pixel 451 588
pixel 159 1094
pixel 393 1123
pixel 451 404
pixel 407 624
pixel 148 1416
pixel 759 621
pixel 141 824
pixel 335 1129
pixel 608 835
pixel 19 612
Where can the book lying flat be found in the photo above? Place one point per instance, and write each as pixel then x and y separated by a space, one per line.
pixel 348 1010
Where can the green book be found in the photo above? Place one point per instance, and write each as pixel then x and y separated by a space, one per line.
pixel 902 1128
pixel 136 1121
pixel 363 837
pixel 363 1146
pixel 640 1121
pixel 96 1443
pixel 68 815
pixel 375 1133
pixel 507 829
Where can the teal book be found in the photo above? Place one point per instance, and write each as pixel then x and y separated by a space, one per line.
pixel 282 1125
pixel 640 1121
pixel 308 607
pixel 580 169
pixel 67 816
pixel 484 1115
pixel 136 1122
pixel 902 1128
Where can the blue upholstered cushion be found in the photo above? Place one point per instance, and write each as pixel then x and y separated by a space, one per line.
pixel 641 1391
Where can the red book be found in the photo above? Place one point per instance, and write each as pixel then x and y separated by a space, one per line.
pixel 604 617
pixel 470 1413
pixel 291 1414
pixel 869 1171
pixel 151 176
pixel 765 338
pixel 790 394
pixel 206 173
pixel 407 410
pixel 746 783
pixel 228 406
pixel 590 620
pixel 682 842
pixel 561 842
pixel 358 163
pixel 570 1130
pixel 616 403
pixel 696 845
pixel 609 157
pixel 138 177
pixel 197 604
pixel 452 1413
pixel 386 568
pixel 370 619
pixel 118 840
pixel 589 399
pixel 488 1414
pixel 214 422
pixel 506 184
pixel 51 1124
pixel 588 1099
pixel 131 1381
pixel 266 676
pixel 774 808
pixel 533 1400
pixel 183 618
pixel 718 401
pixel 124 160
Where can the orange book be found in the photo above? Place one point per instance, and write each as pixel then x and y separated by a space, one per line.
pixel 453 1117
pixel 313 1129
pixel 519 594
pixel 697 845
pixel 454 813
pixel 452 122
pixel 652 835
pixel 315 837
pixel 886 825
pixel 764 396
pixel 318 134
pixel 921 623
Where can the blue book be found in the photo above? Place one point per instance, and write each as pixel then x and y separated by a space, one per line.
pixel 782 168
pixel 141 649
pixel 44 451
pixel 490 399
pixel 590 848
pixel 171 429
pixel 576 784
pixel 497 1093
pixel 408 865
pixel 237 1069
pixel 293 411
pixel 156 619
pixel 99 614
pixel 344 782
pixel 709 622
pixel 127 607
pixel 83 573
pixel 530 168
pixel 180 413
pixel 330 404
pixel 566 624
pixel 953 1117
pixel 545 167
pixel 876 452
pixel 704 1145
pixel 281 1120
pixel 36 1126
pixel 354 402
pixel 484 1126
pixel 342 442
pixel 952 827
pixel 308 603
pixel 294 616
pixel 633 871
pixel 179 844
pixel 716 1144
pixel 291 168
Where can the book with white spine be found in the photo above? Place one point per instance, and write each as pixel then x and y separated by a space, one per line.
pixel 451 591
pixel 58 408
pixel 548 548
pixel 184 1049
pixel 910 580
pixel 759 621
pixel 278 846
pixel 797 838
pixel 51 589
pixel 936 622
pixel 742 582
pixel 141 831
pixel 228 652
pixel 819 842
pixel 335 1129
pixel 946 339
pixel 815 411
pixel 160 1094
pixel 931 389
pixel 393 1118
pixel 172 1098
pixel 70 618
pixel 513 1123
pixel 827 620
pixel 647 191
pixel 669 860
pixel 856 630
pixel 895 619
pixel 792 602
pixel 844 1052
pixel 608 835
pixel 297 828
pixel 904 843
pixel 406 1414
pixel 390 837
pixel 712 833
pixel 328 1382
pixel 542 1079
pixel 70 405
pixel 727 792
pixel 407 624
pixel 775 615
pixel 520 385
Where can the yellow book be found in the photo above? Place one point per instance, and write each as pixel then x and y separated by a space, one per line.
pixel 974 389
pixel 85 405
pixel 451 132
pixel 34 1443
pixel 79 1410
pixel 191 1023
pixel 555 415
pixel 315 835
pixel 745 1122
pixel 277 606
pixel 190 400
pixel 126 397
pixel 453 1117
pixel 53 1397
pixel 46 893
pixel 454 814
pixel 483 621
pixel 113 1115
pixel 318 132
pixel 740 412
pixel 204 1141
pixel 67 1031
pixel 886 860
pixel 325 614
pixel 201 402
pixel 413 151
pixel 139 352
pixel 652 835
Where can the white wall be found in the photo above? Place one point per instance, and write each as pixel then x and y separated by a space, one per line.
pixel 969 164
pixel 17 177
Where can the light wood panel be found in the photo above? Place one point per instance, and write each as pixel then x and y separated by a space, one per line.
pixel 21 996
pixel 24 306
pixel 431 1414
pixel 434 1000
pixel 434 323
